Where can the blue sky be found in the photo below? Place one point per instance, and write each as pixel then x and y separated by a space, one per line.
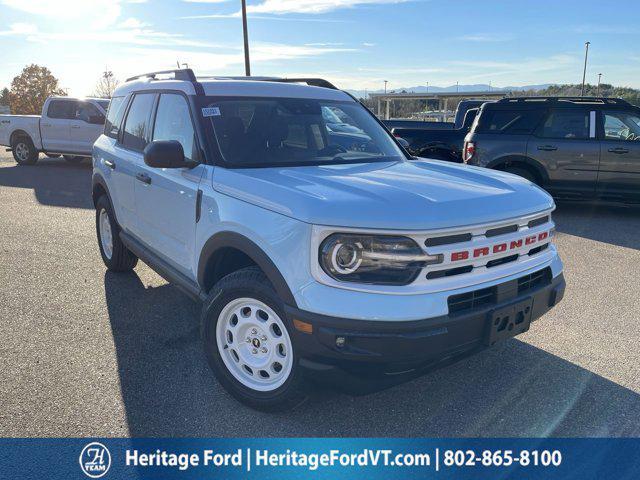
pixel 355 43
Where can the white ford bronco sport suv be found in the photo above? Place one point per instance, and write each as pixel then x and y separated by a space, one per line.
pixel 311 248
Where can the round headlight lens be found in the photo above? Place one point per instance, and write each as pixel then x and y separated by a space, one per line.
pixel 346 257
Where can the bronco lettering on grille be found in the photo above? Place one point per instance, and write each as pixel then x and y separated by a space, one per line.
pixel 498 247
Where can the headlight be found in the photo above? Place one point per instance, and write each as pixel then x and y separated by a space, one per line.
pixel 373 259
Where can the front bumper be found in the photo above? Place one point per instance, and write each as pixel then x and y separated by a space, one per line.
pixel 379 348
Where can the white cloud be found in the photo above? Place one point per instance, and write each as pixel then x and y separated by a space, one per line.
pixel 283 7
pixel 20 29
pixel 280 7
pixel 97 13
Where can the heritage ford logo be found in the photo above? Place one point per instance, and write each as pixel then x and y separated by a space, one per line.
pixel 95 460
pixel 499 247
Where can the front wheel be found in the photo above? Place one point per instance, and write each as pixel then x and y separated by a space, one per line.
pixel 248 345
pixel 24 151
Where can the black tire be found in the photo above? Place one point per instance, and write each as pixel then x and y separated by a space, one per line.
pixel 524 173
pixel 52 155
pixel 121 258
pixel 24 151
pixel 249 283
pixel 73 159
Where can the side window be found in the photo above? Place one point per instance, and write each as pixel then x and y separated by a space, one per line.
pixel 571 124
pixel 621 126
pixel 114 117
pixel 173 122
pixel 62 109
pixel 521 122
pixel 137 124
pixel 88 112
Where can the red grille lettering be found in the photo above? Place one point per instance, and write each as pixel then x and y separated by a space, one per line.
pixel 501 247
pixel 457 256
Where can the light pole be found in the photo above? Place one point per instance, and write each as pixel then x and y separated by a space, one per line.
pixel 584 73
pixel 385 86
pixel 599 78
pixel 247 67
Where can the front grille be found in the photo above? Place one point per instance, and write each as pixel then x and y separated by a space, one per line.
pixel 450 272
pixel 538 221
pixel 502 261
pixel 472 300
pixel 477 299
pixel 534 280
pixel 494 232
pixel 449 239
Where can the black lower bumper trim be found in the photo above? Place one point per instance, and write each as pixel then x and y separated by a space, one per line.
pixel 383 348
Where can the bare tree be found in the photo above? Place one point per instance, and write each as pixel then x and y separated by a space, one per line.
pixel 106 85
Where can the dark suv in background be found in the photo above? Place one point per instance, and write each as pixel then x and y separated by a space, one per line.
pixel 576 148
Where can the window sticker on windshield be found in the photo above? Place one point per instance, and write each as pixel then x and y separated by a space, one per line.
pixel 211 112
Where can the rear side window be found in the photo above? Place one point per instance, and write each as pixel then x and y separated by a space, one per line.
pixel 114 117
pixel 173 122
pixel 573 124
pixel 136 126
pixel 63 109
pixel 511 122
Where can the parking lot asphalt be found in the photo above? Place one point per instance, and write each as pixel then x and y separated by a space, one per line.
pixel 84 352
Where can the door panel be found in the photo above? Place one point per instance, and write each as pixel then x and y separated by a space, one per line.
pixel 166 213
pixel 619 175
pixel 55 128
pixel 129 159
pixel 566 145
pixel 86 127
pixel 166 198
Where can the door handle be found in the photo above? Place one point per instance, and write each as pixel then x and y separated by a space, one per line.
pixel 618 150
pixel 110 164
pixel 547 148
pixel 144 178
pixel 75 126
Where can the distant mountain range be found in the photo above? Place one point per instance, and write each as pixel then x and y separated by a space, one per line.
pixel 480 87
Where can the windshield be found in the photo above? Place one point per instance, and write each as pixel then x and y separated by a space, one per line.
pixel 262 132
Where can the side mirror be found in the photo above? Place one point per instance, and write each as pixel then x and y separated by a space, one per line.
pixel 165 154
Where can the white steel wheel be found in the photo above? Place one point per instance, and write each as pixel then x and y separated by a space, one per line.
pixel 254 344
pixel 22 151
pixel 106 237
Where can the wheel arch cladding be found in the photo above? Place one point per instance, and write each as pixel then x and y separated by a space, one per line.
pixel 218 243
pixel 521 161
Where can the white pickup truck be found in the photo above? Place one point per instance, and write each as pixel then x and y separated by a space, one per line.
pixel 67 126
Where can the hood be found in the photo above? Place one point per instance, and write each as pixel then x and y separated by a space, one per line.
pixel 406 195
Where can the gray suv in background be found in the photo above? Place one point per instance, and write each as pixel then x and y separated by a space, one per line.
pixel 576 148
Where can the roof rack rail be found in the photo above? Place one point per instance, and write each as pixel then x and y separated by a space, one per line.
pixel 605 100
pixel 314 82
pixel 185 74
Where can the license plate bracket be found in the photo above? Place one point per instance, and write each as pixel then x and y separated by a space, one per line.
pixel 509 321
